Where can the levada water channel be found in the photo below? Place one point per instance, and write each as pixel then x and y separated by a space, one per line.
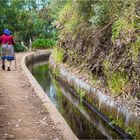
pixel 83 122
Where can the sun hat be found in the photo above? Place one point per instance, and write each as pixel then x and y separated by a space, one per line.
pixel 7 32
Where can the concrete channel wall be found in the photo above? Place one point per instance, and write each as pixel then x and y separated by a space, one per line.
pixel 33 58
pixel 102 102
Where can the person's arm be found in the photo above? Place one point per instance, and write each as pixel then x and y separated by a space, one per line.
pixel 0 40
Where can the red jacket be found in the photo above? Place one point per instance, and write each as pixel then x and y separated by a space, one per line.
pixel 6 39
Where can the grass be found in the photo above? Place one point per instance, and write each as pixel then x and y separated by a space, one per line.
pixel 116 82
pixel 135 47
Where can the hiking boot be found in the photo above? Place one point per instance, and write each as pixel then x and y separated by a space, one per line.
pixel 8 69
pixel 3 67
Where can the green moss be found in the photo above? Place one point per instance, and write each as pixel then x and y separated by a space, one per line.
pixel 54 71
pixel 118 122
pixel 82 93
pixel 132 130
pixel 57 55
pixel 58 89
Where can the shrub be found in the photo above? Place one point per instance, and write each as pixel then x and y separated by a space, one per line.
pixel 100 16
pixel 116 28
pixel 19 48
pixel 43 43
pixel 50 42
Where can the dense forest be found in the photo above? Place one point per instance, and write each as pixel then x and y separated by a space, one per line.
pixel 29 21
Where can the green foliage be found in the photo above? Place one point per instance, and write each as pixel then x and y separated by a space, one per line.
pixel 39 43
pixel 72 16
pixel 19 48
pixel 118 122
pixel 96 81
pixel 101 12
pixel 50 42
pixel 104 11
pixel 27 19
pixel 106 65
pixel 126 22
pixel 43 43
pixel 116 28
pixel 56 6
pixel 122 28
pixel 83 9
pixel 116 82
pixel 58 55
pixel 132 132
pixel 135 47
pixel 68 17
pixel 81 93
pixel 55 71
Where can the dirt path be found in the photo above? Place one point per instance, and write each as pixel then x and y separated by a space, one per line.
pixel 22 115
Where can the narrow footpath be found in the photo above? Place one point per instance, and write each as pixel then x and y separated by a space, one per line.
pixel 22 114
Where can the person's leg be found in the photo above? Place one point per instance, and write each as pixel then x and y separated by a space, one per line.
pixel 3 56
pixel 3 64
pixel 9 65
pixel 10 56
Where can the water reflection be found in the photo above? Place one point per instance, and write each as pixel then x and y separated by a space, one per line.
pixel 84 123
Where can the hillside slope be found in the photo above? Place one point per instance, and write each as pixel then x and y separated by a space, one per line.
pixel 102 38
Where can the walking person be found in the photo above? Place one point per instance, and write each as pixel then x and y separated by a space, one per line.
pixel 7 52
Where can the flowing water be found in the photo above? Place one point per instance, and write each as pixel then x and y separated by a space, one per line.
pixel 83 122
